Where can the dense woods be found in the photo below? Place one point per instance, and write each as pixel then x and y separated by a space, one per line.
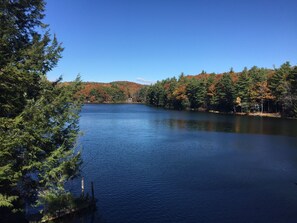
pixel 114 92
pixel 252 90
pixel 249 91
pixel 38 118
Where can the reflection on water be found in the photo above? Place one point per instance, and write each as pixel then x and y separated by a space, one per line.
pixel 238 124
pixel 197 125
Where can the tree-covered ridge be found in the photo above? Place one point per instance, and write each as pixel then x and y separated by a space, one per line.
pixel 114 92
pixel 252 90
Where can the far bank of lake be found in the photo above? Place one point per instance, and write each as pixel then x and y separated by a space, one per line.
pixel 259 114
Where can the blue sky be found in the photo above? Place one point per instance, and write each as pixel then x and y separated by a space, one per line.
pixel 150 40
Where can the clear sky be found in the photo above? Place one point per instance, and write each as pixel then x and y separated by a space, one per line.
pixel 149 40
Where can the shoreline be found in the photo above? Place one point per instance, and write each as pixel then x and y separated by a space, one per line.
pixel 252 114
pixel 260 114
pixel 255 114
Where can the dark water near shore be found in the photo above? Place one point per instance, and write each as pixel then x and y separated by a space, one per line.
pixel 153 165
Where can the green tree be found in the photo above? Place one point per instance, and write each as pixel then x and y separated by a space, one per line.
pixel 243 88
pixel 292 78
pixel 225 93
pixel 281 88
pixel 38 119
pixel 141 94
pixel 156 95
pixel 25 54
pixel 197 91
pixel 257 74
pixel 116 94
pixel 95 96
pixel 169 85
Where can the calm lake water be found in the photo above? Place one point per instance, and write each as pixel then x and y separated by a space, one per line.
pixel 154 165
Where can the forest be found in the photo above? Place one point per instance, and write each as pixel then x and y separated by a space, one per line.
pixel 114 92
pixel 252 90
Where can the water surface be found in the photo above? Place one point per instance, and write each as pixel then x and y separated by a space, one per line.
pixel 154 165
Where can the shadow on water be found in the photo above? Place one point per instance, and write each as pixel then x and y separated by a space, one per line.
pixel 247 125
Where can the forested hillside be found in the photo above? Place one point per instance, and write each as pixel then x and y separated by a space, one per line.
pixel 253 90
pixel 249 91
pixel 114 92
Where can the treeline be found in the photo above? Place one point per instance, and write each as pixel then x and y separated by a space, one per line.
pixel 253 90
pixel 114 92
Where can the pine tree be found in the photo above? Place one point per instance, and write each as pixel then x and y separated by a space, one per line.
pixel 196 91
pixel 38 119
pixel 25 54
pixel 191 93
pixel 292 78
pixel 169 85
pixel 156 95
pixel 225 93
pixel 243 87
pixel 281 87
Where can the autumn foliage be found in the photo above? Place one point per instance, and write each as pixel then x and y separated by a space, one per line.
pixel 114 92
pixel 253 90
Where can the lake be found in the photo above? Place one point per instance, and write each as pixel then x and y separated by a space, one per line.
pixel 155 165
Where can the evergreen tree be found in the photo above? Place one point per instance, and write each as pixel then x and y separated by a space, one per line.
pixel 156 95
pixel 192 89
pixel 225 93
pixel 243 87
pixel 169 85
pixel 292 78
pixel 196 91
pixel 38 119
pixel 281 87
pixel 257 74
pixel 25 54
pixel 141 94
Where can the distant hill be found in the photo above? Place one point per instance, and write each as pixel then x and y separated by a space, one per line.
pixel 114 92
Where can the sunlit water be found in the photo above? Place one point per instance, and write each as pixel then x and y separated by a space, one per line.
pixel 154 165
